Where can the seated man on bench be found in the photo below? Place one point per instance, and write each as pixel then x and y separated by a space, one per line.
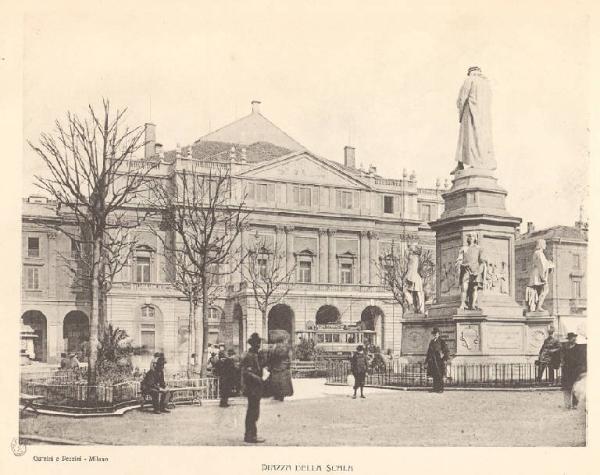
pixel 154 385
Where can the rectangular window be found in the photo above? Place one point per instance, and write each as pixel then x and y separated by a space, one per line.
pixel 388 204
pixel 32 275
pixel 261 193
pixel 576 289
pixel 344 199
pixel 262 267
pixel 33 247
pixel 576 261
pixel 426 212
pixel 142 269
pixel 304 272
pixel 74 249
pixel 301 195
pixel 346 274
pixel 320 338
pixel 149 340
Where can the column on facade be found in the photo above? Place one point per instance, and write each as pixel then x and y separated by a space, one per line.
pixel 331 254
pixel 280 245
pixel 373 257
pixel 242 248
pixel 323 256
pixel 289 247
pixel 52 274
pixel 364 258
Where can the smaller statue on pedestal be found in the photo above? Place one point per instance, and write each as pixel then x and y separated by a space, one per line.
pixel 537 289
pixel 413 282
pixel 472 269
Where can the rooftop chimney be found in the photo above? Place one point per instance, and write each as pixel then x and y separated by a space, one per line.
pixel 256 107
pixel 149 140
pixel 349 156
pixel 530 227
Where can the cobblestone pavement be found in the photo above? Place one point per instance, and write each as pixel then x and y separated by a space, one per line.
pixel 327 416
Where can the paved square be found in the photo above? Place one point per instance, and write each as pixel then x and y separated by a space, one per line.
pixel 327 416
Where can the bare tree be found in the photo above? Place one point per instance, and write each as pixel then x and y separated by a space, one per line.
pixel 95 181
pixel 206 219
pixel 265 273
pixel 393 267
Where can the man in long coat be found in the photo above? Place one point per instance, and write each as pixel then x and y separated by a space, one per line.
pixel 549 356
pixel 252 374
pixel 225 371
pixel 437 356
pixel 574 366
pixel 474 147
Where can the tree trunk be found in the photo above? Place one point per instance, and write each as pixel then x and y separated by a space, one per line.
pixel 94 314
pixel 205 313
pixel 191 333
pixel 197 341
pixel 265 324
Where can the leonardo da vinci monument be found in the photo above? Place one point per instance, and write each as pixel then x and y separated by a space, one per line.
pixel 475 306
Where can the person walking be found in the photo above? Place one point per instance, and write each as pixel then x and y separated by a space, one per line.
pixel 279 364
pixel 224 370
pixel 252 373
pixel 437 356
pixel 359 366
pixel 574 366
pixel 549 356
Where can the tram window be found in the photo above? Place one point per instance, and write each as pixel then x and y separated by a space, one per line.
pixel 328 338
pixel 320 338
pixel 336 337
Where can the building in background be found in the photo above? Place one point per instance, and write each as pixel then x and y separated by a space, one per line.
pixel 335 221
pixel 566 247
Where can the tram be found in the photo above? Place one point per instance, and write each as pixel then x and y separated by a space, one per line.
pixel 338 340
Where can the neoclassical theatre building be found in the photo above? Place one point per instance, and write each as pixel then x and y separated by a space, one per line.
pixel 334 221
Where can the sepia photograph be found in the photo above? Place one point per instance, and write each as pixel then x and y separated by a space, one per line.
pixel 302 224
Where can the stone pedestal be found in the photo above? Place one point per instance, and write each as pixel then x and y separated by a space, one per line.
pixel 500 331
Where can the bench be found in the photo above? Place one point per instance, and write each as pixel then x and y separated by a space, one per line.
pixel 27 400
pixel 176 393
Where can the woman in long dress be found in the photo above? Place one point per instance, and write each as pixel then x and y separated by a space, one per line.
pixel 279 364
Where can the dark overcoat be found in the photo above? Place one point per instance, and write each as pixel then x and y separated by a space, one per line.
pixel 437 356
pixel 252 373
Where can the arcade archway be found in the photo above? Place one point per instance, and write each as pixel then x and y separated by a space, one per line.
pixel 37 321
pixel 372 319
pixel 327 314
pixel 76 332
pixel 281 317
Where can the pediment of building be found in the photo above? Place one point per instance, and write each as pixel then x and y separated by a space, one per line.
pixel 304 168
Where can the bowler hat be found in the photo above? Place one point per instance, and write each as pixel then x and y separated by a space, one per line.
pixel 230 352
pixel 473 68
pixel 359 348
pixel 254 338
pixel 571 334
pixel 435 330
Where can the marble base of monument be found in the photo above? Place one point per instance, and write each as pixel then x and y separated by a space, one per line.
pixel 475 337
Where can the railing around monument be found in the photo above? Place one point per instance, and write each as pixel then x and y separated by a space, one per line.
pixel 489 375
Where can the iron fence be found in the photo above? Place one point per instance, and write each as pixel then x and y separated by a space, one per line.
pixel 495 375
pixel 58 391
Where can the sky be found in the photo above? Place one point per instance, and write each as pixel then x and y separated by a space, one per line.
pixel 381 76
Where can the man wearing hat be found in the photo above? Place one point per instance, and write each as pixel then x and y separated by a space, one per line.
pixel 549 356
pixel 359 366
pixel 224 370
pixel 252 377
pixel 574 366
pixel 437 356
